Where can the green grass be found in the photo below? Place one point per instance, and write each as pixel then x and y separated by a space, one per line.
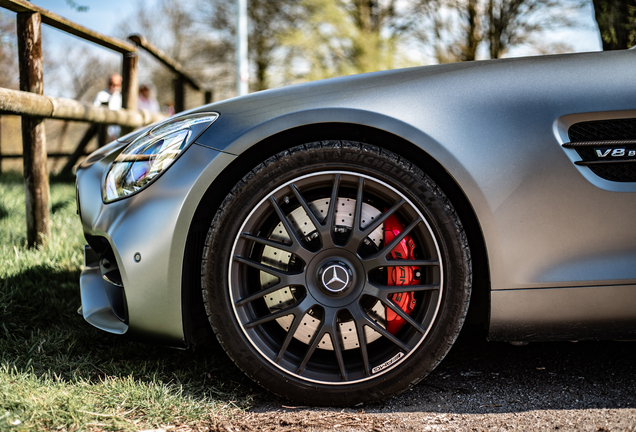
pixel 59 373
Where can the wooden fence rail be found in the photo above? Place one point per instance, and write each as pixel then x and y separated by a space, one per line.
pixel 31 103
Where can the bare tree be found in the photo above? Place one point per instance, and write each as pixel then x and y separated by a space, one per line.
pixel 80 73
pixel 8 53
pixel 457 28
pixel 268 21
pixel 514 22
pixel 171 26
pixel 453 28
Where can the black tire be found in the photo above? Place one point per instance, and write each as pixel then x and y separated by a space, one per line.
pixel 285 323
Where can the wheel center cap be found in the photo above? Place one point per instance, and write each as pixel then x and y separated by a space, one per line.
pixel 335 276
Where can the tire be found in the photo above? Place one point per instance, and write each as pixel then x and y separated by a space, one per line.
pixel 290 284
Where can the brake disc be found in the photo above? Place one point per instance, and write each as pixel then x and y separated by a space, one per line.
pixel 279 259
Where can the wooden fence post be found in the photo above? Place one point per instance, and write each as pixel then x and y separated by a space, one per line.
pixel 130 85
pixel 0 144
pixel 179 94
pixel 36 178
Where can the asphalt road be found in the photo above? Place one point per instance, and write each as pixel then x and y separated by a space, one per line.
pixel 481 385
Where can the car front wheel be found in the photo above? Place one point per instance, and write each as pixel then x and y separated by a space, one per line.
pixel 336 273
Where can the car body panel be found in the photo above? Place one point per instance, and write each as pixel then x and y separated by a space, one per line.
pixel 563 313
pixel 491 125
pixel 496 127
pixel 154 224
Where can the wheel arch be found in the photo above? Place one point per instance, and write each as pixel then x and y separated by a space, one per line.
pixel 195 321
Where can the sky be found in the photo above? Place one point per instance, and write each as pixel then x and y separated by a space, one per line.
pixel 104 16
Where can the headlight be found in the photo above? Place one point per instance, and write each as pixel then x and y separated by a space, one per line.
pixel 151 154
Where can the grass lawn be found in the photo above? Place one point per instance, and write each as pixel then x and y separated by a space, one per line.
pixel 59 373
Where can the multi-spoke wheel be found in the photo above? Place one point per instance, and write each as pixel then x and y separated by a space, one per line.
pixel 336 274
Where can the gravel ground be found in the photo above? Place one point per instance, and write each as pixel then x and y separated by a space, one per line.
pixel 487 386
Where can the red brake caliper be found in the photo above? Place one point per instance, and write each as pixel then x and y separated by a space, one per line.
pixel 399 275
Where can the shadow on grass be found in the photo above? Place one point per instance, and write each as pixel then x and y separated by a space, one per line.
pixel 3 212
pixel 61 205
pixel 41 332
pixel 11 177
pixel 15 177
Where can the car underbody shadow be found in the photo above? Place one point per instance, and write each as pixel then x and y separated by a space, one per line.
pixel 480 377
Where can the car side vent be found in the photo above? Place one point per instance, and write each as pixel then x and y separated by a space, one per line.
pixel 607 147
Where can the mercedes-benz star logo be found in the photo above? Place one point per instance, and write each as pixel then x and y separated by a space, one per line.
pixel 335 278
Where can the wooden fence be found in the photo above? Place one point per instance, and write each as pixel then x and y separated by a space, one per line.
pixel 31 103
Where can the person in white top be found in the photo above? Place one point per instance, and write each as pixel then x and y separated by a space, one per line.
pixel 111 98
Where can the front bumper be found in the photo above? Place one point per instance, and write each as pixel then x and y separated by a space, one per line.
pixel 101 306
pixel 132 281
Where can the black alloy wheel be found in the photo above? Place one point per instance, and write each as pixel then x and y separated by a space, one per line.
pixel 300 274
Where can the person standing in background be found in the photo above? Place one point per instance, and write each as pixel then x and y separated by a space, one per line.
pixel 146 100
pixel 111 99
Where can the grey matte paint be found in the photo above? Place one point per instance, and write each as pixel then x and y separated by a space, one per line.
pixel 495 126
pixel 564 313
pixel 155 224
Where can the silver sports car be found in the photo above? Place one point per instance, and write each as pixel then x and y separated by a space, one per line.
pixel 335 235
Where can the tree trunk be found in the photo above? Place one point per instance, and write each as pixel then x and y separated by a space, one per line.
pixel 0 144
pixel 616 21
pixel 494 30
pixel 179 94
pixel 473 32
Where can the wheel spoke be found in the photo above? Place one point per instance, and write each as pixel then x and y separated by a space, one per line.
pixel 290 335
pixel 337 347
pixel 305 206
pixel 294 309
pixel 384 216
pixel 413 262
pixel 329 223
pixel 259 294
pixel 360 318
pixel 286 278
pixel 271 243
pixel 379 259
pixel 382 261
pixel 406 317
pixel 329 326
pixel 386 334
pixel 333 203
pixel 290 231
pixel 384 291
pixel 390 246
pixel 362 341
pixel 408 288
pixel 356 231
pixel 320 333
